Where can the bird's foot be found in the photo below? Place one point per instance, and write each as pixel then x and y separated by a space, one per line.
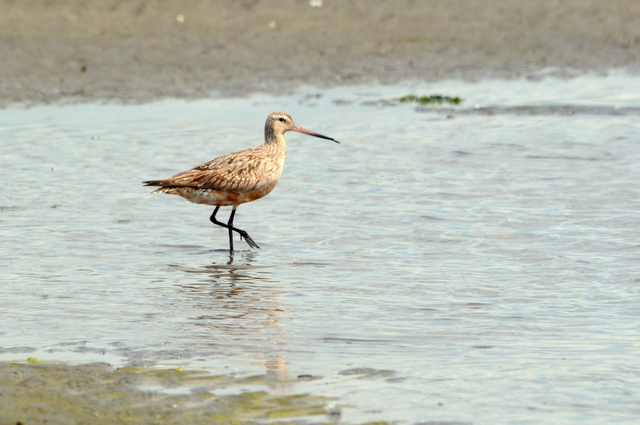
pixel 248 239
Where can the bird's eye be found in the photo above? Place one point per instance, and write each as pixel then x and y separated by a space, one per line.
pixel 281 119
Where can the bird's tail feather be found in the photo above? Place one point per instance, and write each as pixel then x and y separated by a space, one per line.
pixel 153 183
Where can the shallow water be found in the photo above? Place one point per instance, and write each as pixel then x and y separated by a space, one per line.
pixel 455 264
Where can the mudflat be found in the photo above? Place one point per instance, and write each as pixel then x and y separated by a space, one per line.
pixel 135 51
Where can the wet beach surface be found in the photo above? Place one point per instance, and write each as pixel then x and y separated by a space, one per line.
pixel 472 263
pixel 36 392
pixel 136 51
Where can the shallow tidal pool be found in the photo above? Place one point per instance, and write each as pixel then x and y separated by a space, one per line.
pixel 451 264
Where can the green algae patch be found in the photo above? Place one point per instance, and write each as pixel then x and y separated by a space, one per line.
pixel 435 98
pixel 56 393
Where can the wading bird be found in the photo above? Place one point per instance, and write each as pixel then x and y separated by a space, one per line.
pixel 238 177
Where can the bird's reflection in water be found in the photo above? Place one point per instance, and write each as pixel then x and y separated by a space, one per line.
pixel 239 308
pixel 233 289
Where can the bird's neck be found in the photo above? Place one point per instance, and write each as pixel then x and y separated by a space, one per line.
pixel 275 140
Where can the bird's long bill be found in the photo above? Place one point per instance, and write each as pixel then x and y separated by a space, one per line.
pixel 311 133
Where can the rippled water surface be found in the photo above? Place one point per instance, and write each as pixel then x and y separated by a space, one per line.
pixel 475 264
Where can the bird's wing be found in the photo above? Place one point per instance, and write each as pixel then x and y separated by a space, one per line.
pixel 237 172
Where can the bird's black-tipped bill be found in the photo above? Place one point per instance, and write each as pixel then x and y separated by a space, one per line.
pixel 311 133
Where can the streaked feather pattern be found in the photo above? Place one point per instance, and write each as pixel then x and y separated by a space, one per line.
pixel 244 171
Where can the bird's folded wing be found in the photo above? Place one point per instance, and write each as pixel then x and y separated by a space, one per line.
pixel 231 173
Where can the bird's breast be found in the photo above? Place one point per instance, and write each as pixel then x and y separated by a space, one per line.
pixel 219 197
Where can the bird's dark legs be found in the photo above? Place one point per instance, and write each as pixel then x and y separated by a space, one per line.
pixel 232 229
pixel 230 224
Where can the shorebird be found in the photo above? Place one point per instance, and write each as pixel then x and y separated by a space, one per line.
pixel 238 177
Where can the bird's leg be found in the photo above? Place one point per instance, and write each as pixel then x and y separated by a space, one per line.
pixel 214 220
pixel 241 232
pixel 229 226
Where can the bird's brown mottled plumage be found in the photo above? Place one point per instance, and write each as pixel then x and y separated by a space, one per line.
pixel 231 179
pixel 238 177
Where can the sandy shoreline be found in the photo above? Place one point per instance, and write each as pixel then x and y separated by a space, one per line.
pixel 135 51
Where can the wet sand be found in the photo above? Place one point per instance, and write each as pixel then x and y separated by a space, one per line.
pixel 98 393
pixel 136 51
